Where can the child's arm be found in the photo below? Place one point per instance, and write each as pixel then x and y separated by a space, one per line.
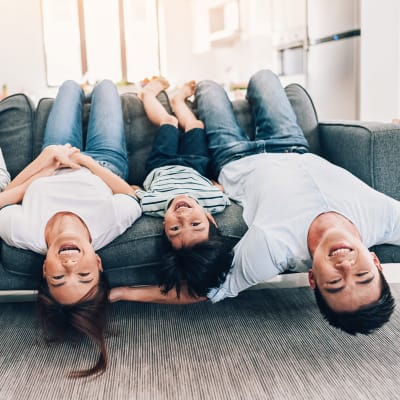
pixel 218 185
pixel 53 156
pixel 117 184
pixel 152 294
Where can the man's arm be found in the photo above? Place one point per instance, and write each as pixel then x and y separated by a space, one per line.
pixel 117 184
pixel 152 294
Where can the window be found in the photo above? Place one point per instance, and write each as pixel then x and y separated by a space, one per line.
pixel 90 40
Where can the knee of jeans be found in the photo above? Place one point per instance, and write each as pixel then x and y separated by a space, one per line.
pixel 70 84
pixel 105 85
pixel 205 84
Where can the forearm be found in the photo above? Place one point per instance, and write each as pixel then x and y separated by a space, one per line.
pixel 54 156
pixel 117 184
pixel 34 167
pixel 152 294
pixel 13 195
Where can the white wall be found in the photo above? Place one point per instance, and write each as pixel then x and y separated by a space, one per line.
pixel 380 63
pixel 191 57
pixel 22 63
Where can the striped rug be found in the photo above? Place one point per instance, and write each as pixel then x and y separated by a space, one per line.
pixel 264 344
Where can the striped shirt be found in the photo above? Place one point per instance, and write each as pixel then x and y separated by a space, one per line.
pixel 163 184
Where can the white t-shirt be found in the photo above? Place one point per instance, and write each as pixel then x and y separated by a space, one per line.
pixel 281 195
pixel 77 191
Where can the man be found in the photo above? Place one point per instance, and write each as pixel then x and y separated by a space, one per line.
pixel 303 212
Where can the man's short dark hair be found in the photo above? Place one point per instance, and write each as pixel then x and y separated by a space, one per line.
pixel 366 319
pixel 200 268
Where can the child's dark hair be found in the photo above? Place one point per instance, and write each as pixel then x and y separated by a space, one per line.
pixel 88 316
pixel 200 267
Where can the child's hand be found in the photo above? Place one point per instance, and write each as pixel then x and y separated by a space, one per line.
pixel 218 185
pixel 135 188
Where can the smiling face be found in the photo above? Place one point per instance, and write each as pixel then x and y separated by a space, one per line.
pixel 346 273
pixel 186 223
pixel 71 269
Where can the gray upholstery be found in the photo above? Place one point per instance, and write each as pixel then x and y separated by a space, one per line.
pixel 367 150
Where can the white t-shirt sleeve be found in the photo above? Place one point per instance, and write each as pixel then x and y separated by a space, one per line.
pixel 127 209
pixel 14 231
pixel 252 264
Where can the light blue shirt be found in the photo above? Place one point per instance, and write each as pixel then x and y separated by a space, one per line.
pixel 281 195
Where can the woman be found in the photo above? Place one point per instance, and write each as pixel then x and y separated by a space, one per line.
pixel 74 203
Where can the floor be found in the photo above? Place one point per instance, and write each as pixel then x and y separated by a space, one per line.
pixel 391 271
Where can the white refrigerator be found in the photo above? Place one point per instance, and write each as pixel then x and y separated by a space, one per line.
pixel 333 58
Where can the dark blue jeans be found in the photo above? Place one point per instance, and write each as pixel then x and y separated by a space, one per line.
pixel 277 130
pixel 169 149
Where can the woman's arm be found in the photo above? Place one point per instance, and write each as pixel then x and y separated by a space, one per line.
pixel 54 156
pixel 16 193
pixel 152 294
pixel 117 184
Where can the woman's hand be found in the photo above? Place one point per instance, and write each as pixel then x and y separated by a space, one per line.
pixel 60 156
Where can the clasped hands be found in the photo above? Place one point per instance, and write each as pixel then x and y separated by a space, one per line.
pixel 57 156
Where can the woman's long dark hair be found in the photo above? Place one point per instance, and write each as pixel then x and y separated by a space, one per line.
pixel 88 316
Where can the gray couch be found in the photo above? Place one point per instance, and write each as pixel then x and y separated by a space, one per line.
pixel 368 150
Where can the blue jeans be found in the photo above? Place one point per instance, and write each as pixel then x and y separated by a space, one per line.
pixel 277 130
pixel 168 149
pixel 105 141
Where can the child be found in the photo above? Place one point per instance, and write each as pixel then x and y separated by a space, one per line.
pixel 175 187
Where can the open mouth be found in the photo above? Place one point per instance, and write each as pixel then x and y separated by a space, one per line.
pixel 69 249
pixel 340 251
pixel 181 204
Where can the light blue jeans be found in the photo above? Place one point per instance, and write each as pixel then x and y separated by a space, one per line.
pixel 105 140
pixel 276 127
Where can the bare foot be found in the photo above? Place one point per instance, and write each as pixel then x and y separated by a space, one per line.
pixel 185 91
pixel 154 87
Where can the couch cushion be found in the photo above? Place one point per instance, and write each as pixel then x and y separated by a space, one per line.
pixel 16 131
pixel 306 114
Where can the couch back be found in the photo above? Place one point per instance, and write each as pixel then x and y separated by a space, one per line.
pixel 22 127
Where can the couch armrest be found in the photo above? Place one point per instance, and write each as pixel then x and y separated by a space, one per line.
pixel 369 150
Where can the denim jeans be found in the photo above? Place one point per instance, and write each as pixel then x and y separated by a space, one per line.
pixel 277 130
pixel 169 149
pixel 105 142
